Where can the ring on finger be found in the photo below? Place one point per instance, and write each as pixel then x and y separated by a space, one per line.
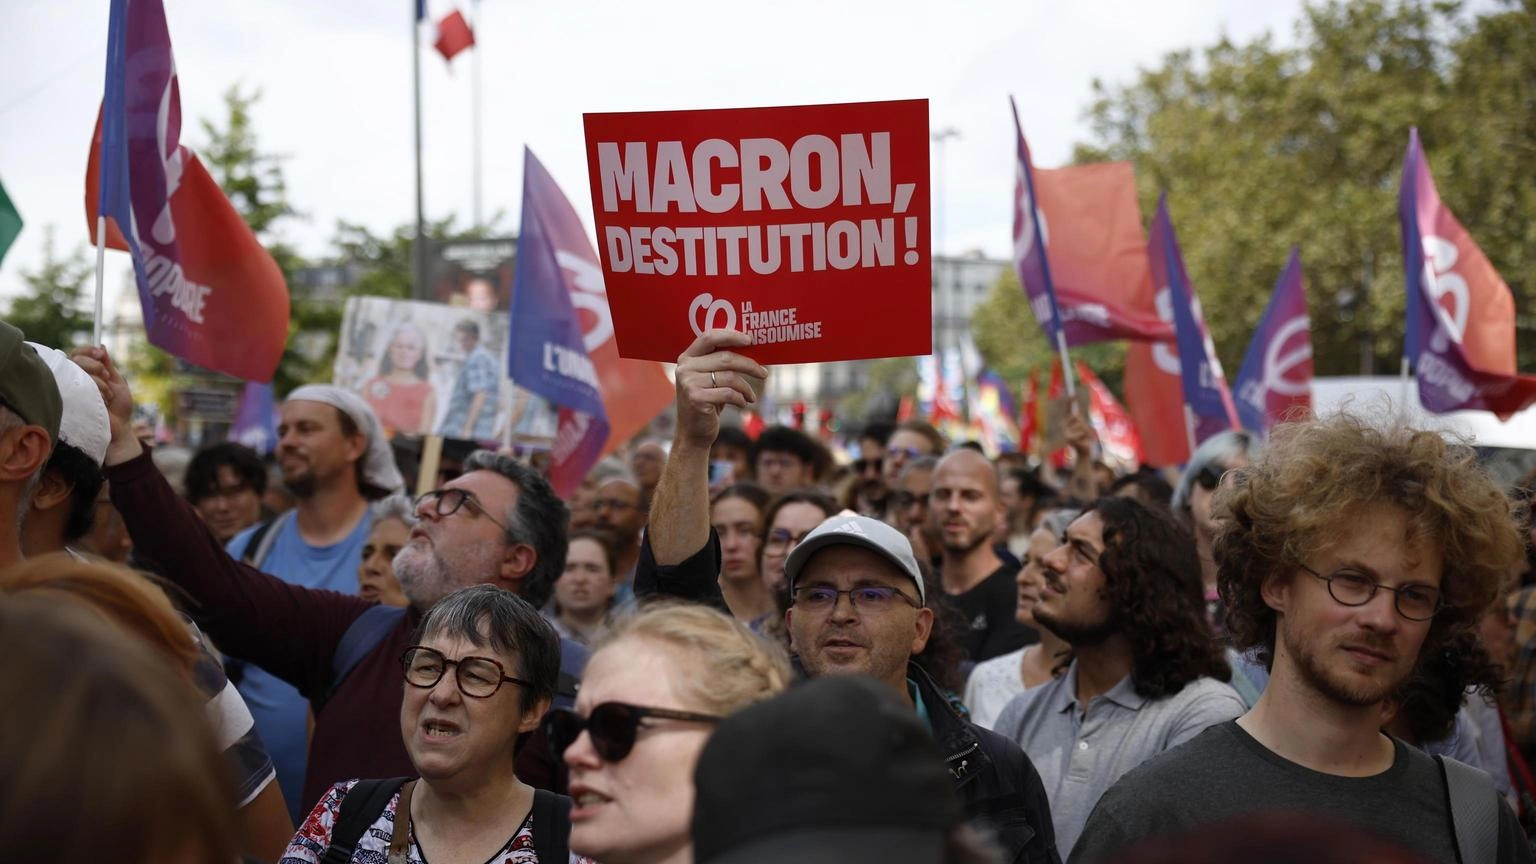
pixel 712 381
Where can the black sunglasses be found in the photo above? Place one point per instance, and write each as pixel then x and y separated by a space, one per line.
pixel 612 725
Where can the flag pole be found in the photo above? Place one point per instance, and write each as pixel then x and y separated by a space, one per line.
pixel 101 261
pixel 418 246
pixel 475 87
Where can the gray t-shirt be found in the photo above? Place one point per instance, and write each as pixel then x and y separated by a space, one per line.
pixel 1080 752
pixel 1224 772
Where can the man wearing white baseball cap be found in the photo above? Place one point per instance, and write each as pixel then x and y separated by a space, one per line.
pixel 858 603
pixel 63 507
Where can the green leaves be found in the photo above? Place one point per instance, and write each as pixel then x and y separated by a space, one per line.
pixel 1262 147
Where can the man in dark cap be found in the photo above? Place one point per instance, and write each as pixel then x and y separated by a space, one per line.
pixel 30 413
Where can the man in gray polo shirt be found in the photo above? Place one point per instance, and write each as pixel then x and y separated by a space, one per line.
pixel 1123 590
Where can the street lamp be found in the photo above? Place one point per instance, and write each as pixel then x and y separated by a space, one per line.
pixel 940 138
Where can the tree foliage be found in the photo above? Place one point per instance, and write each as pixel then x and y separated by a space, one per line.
pixel 1260 147
pixel 53 311
pixel 1012 344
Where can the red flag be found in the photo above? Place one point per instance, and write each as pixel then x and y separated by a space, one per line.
pixel 1029 419
pixel 229 306
pixel 1154 395
pixel 453 35
pixel 1098 253
pixel 1117 431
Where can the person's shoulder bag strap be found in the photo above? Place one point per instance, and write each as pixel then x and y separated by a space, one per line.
pixel 260 544
pixel 362 636
pixel 364 803
pixel 1474 807
pixel 551 827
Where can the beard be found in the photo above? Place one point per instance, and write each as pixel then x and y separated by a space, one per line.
pixel 1078 634
pixel 1333 684
pixel 427 575
pixel 969 544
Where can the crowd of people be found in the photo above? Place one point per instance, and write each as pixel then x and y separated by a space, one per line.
pixel 1318 647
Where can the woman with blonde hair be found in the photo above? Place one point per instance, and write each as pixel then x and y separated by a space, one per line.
pixel 129 601
pixel 650 697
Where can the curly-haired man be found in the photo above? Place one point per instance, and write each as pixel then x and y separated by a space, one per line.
pixel 1123 590
pixel 1349 555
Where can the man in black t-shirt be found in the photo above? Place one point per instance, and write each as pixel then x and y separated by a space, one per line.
pixel 1348 553
pixel 964 508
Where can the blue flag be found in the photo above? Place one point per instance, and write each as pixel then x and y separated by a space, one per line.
pixel 548 352
pixel 1205 385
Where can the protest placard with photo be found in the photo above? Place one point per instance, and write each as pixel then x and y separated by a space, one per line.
pixel 431 369
pixel 806 227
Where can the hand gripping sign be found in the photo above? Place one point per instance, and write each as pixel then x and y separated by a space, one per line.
pixel 805 227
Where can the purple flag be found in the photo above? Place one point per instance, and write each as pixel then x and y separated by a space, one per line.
pixel 1276 379
pixel 1205 385
pixel 210 293
pixel 1461 317
pixel 549 350
pixel 1029 256
pixel 255 423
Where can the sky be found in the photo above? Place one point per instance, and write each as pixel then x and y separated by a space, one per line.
pixel 335 79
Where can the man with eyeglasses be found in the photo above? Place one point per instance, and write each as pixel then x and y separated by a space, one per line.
pixel 1123 591
pixel 498 523
pixel 1350 554
pixel 858 602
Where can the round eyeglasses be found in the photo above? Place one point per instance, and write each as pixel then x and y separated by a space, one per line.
pixel 1354 588
pixel 477 677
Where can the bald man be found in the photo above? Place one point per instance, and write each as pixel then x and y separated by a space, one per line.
pixel 964 509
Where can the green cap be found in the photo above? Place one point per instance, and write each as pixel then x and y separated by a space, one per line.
pixel 27 386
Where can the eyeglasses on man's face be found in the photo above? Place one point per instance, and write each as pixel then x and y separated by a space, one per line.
pixel 866 598
pixel 1351 587
pixel 446 502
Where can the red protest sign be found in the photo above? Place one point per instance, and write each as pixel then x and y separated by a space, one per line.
pixel 806 227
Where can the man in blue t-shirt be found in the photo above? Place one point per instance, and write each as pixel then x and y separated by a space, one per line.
pixel 335 460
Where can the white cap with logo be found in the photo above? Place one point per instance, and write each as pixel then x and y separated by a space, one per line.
pixel 861 531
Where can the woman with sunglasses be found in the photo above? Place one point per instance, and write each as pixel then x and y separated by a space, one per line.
pixel 482 672
pixel 650 697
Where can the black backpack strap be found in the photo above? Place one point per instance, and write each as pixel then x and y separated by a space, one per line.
pixel 362 636
pixel 260 542
pixel 551 827
pixel 364 803
pixel 1474 805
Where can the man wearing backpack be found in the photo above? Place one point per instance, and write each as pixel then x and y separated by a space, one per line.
pixel 1347 556
pixel 498 523
pixel 335 460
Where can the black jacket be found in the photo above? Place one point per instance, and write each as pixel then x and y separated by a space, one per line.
pixel 997 784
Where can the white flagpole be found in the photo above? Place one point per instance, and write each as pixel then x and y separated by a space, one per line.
pixel 101 265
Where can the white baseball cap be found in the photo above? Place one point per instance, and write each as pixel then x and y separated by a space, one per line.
pixel 84 425
pixel 861 531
